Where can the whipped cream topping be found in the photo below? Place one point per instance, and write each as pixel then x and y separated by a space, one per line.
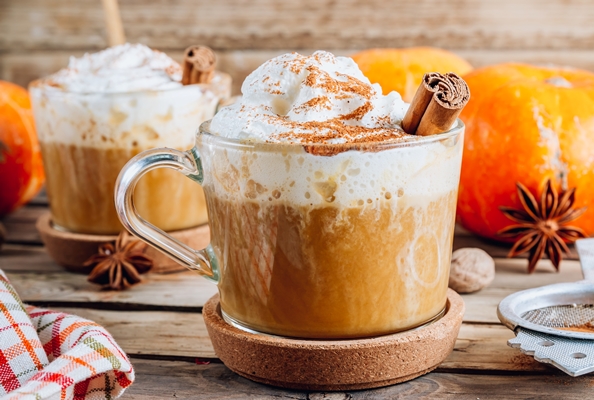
pixel 311 99
pixel 124 68
pixel 125 97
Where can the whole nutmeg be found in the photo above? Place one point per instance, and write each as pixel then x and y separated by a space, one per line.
pixel 472 269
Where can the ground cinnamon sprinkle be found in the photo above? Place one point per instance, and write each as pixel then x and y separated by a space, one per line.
pixel 358 113
pixel 311 80
pixel 173 69
pixel 316 102
pixel 295 65
pixel 322 79
pixel 343 96
pixel 586 328
pixel 349 137
pixel 383 120
pixel 335 132
pixel 358 86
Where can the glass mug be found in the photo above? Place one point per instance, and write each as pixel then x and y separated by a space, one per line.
pixel 86 139
pixel 323 241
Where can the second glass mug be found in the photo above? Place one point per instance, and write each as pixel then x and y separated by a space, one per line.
pixel 318 241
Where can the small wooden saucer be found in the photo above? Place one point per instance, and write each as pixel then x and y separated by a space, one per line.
pixel 71 250
pixel 335 364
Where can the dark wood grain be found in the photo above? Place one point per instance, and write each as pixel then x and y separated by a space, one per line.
pixel 180 380
pixel 20 225
pixel 186 291
pixel 159 324
pixel 183 336
pixel 278 24
pixel 496 249
pixel 156 334
pixel 38 36
pixel 23 258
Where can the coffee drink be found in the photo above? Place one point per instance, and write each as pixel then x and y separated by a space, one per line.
pixel 95 115
pixel 329 221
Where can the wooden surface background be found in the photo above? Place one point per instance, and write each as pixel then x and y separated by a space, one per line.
pixel 38 36
pixel 159 325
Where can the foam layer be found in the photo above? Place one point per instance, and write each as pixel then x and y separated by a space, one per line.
pixel 124 120
pixel 415 174
pixel 127 97
pixel 317 98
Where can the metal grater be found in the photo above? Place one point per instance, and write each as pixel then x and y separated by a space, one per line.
pixel 555 323
pixel 572 317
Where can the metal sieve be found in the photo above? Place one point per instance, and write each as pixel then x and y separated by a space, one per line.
pixel 555 323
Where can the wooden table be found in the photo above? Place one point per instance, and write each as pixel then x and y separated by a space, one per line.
pixel 159 324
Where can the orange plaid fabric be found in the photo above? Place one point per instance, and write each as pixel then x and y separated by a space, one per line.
pixel 51 355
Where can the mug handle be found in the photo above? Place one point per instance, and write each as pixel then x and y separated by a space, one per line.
pixel 188 163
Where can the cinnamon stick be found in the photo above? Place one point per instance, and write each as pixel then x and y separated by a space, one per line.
pixel 437 103
pixel 199 64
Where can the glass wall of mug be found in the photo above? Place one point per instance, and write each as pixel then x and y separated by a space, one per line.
pixel 318 241
pixel 86 139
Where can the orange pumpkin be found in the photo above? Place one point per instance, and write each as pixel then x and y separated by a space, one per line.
pixel 21 170
pixel 525 124
pixel 402 69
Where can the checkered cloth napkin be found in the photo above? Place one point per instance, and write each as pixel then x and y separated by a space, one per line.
pixel 51 355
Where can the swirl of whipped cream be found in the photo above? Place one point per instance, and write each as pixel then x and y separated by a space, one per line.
pixel 124 68
pixel 311 99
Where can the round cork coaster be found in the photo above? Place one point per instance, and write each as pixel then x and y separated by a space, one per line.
pixel 327 365
pixel 71 250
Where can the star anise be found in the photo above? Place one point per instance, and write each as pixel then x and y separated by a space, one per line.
pixel 542 225
pixel 119 266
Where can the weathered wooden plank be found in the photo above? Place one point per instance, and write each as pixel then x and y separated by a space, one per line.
pixel 156 333
pixel 512 273
pixel 274 24
pixel 495 249
pixel 26 214
pixel 185 291
pixel 182 380
pixel 176 334
pixel 40 200
pixel 484 347
pixel 20 225
pixel 23 67
pixel 482 307
pixel 26 259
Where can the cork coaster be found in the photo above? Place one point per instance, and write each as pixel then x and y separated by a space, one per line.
pixel 71 250
pixel 335 364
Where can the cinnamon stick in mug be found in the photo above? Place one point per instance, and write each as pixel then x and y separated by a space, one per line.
pixel 199 64
pixel 437 103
